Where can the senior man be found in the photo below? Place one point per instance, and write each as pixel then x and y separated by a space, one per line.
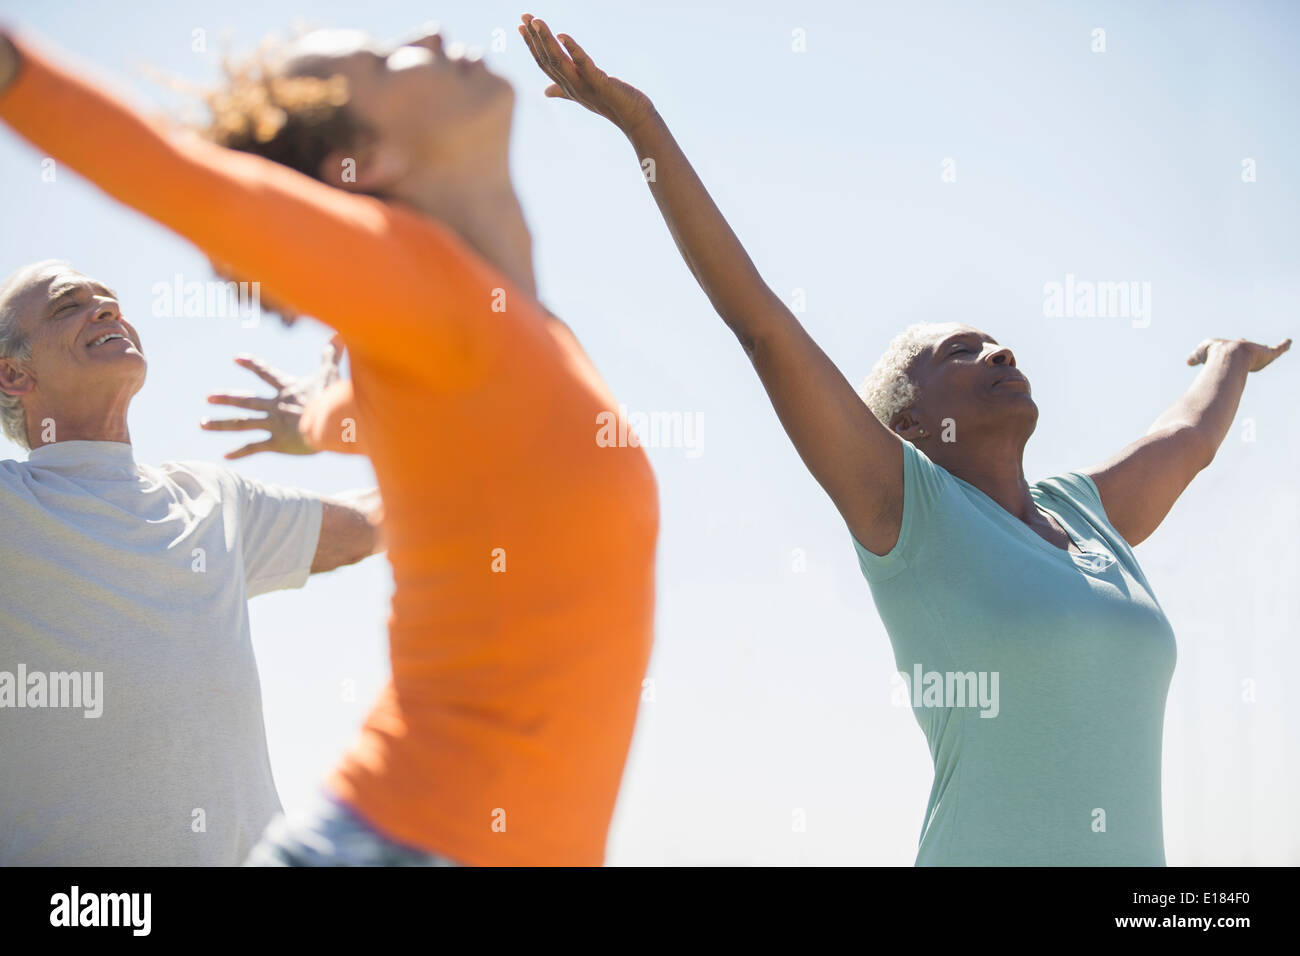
pixel 130 712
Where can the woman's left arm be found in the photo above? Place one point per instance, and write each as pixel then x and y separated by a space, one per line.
pixel 1140 484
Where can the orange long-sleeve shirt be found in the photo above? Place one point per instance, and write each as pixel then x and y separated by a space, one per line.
pixel 522 548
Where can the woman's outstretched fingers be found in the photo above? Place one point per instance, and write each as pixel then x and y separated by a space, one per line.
pixel 583 62
pixel 253 403
pixel 232 424
pixel 555 90
pixel 557 57
pixel 250 449
pixel 270 376
pixel 579 79
pixel 1261 356
pixel 534 45
pixel 1272 353
pixel 537 47
pixel 531 41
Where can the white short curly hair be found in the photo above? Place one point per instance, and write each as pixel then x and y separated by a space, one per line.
pixel 889 388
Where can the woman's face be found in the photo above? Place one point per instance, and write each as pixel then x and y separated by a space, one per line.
pixel 412 97
pixel 966 376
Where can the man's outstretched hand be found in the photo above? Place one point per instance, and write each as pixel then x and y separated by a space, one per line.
pixel 282 413
pixel 576 77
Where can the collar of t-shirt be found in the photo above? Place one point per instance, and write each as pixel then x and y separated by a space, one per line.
pixel 89 458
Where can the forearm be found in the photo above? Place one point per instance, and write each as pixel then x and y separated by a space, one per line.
pixel 1210 404
pixel 711 249
pixel 351 529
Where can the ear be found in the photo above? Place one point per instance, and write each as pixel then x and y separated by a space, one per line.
pixel 14 379
pixel 906 426
pixel 367 169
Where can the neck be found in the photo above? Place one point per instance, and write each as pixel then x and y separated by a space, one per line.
pixel 475 198
pixel 998 470
pixel 107 423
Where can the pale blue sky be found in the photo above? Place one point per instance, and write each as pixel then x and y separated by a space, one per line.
pixel 772 688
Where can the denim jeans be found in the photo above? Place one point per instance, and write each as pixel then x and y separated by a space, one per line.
pixel 328 833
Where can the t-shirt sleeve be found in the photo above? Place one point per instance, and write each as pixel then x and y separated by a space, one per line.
pixel 924 483
pixel 279 530
pixel 1080 491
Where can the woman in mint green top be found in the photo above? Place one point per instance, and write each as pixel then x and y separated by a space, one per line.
pixel 1060 764
pixel 1023 600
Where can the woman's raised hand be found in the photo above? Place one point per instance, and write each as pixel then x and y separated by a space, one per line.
pixel 1257 356
pixel 281 414
pixel 575 77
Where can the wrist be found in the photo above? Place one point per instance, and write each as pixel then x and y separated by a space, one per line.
pixel 305 447
pixel 638 127
pixel 1232 350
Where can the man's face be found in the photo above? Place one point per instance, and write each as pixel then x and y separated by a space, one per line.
pixel 82 348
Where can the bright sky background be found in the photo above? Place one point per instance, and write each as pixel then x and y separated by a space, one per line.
pixel 772 688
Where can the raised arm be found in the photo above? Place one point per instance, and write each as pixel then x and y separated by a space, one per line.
pixel 304 241
pixel 1140 485
pixel 852 455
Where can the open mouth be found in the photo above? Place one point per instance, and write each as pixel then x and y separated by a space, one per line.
pixel 106 337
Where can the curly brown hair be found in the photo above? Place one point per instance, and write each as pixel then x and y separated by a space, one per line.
pixel 294 120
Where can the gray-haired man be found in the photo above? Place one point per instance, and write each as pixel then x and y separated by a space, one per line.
pixel 130 712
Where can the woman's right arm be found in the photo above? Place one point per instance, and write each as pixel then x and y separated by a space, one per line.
pixel 852 455
pixel 370 271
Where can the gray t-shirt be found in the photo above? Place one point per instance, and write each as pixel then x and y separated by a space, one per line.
pixel 131 725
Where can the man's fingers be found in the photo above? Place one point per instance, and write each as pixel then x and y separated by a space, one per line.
pixel 233 424
pixel 250 449
pixel 263 371
pixel 556 91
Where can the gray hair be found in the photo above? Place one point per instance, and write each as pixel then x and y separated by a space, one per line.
pixel 889 388
pixel 14 345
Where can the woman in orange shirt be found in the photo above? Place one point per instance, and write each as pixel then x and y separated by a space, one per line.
pixel 522 549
